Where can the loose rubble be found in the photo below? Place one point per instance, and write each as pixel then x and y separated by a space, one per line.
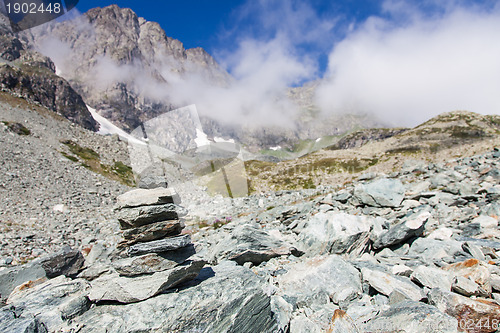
pixel 414 251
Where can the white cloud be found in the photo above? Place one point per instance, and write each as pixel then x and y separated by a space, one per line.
pixel 407 71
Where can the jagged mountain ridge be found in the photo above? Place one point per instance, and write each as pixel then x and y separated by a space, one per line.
pixel 115 59
pixel 125 67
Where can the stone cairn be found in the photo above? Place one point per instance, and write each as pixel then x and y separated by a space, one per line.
pixel 153 255
pixel 150 221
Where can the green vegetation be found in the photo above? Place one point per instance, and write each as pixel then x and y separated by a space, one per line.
pixel 83 153
pixel 90 159
pixel 17 128
pixel 69 157
pixel 409 150
pixel 301 148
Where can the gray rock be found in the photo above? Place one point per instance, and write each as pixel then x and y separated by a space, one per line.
pixel 74 307
pixel 163 245
pixel 380 193
pixel 432 277
pixel 225 298
pixel 473 250
pixel 468 311
pixel 134 289
pixel 247 243
pixel 66 262
pixel 467 287
pixel 334 232
pixel 151 263
pixel 49 302
pixel 151 232
pixel 435 249
pixel 139 216
pixel 342 323
pixel 12 277
pixel 329 275
pixel 411 317
pixel 385 284
pixel 412 227
pixel 12 322
pixel 475 270
pixel 150 197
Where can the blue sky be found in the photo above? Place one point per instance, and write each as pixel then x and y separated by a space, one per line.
pixel 219 25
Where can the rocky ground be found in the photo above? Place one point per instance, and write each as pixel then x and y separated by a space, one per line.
pixel 413 250
pixel 48 200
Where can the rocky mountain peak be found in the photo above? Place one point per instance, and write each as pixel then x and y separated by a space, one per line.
pixel 114 58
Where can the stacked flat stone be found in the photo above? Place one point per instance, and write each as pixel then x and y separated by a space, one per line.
pixel 150 221
pixel 154 256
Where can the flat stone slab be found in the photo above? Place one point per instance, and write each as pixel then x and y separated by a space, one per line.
pixel 151 232
pixel 121 289
pixel 144 197
pixel 138 216
pixel 163 245
pixel 153 262
pixel 386 283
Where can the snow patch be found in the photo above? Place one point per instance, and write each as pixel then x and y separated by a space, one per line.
pixel 106 128
pixel 201 138
pixel 217 139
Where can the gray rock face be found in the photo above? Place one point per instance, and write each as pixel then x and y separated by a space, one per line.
pixel 134 289
pixel 228 298
pixel 42 86
pixel 121 40
pixel 162 245
pixel 380 193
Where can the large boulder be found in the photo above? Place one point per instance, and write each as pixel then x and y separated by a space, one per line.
pixel 380 193
pixel 329 275
pixel 45 307
pixel 123 289
pixel 66 262
pixel 225 298
pixel 247 243
pixel 334 232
